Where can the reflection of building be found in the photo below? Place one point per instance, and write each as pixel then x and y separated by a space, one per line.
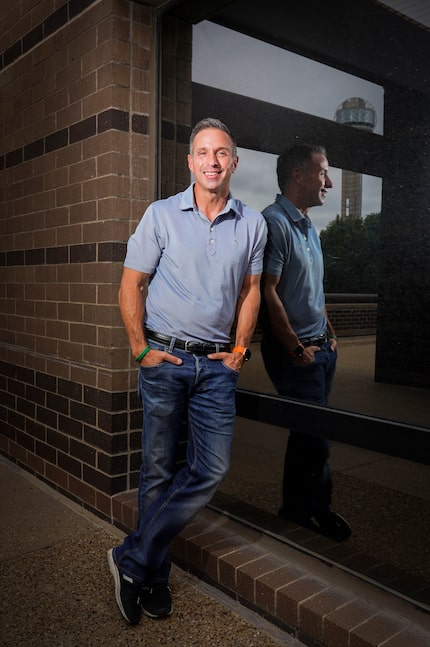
pixel 360 114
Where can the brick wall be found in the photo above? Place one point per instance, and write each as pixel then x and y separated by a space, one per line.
pixel 77 85
pixel 351 319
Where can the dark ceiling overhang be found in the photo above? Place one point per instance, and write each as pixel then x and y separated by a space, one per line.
pixel 362 38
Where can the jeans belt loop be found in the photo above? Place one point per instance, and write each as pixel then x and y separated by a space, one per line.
pixel 172 344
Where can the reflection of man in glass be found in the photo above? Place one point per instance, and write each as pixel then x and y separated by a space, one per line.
pixel 299 344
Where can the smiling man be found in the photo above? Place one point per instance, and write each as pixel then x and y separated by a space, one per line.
pixel 299 345
pixel 199 256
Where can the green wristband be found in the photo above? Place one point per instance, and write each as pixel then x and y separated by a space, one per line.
pixel 333 337
pixel 140 357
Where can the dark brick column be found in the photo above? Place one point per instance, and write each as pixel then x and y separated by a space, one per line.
pixel 403 327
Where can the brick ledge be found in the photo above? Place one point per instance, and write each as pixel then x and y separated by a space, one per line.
pixel 316 603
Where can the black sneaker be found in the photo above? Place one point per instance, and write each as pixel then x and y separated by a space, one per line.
pixel 156 600
pixel 127 592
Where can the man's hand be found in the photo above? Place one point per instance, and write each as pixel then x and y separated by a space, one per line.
pixel 155 357
pixel 308 356
pixel 235 361
pixel 333 344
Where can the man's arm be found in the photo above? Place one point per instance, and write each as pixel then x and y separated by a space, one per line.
pixel 280 323
pixel 331 332
pixel 278 318
pixel 248 306
pixel 131 299
pixel 247 309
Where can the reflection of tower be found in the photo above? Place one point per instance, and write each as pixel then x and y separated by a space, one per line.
pixel 360 114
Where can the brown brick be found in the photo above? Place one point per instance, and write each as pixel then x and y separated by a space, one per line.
pixel 126 513
pixel 314 611
pixel 68 195
pixel 83 491
pixel 290 597
pixel 35 463
pixel 70 351
pixel 409 637
pixel 100 100
pixel 71 312
pixel 339 623
pixel 57 476
pixel 200 543
pixel 70 155
pixel 104 504
pixel 113 162
pixel 57 330
pixel 375 631
pixel 83 212
pixel 267 585
pixel 249 573
pixel 82 171
pixel 229 565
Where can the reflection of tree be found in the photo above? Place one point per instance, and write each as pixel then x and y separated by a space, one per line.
pixel 350 248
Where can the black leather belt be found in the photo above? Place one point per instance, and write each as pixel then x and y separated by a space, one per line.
pixel 195 347
pixel 319 340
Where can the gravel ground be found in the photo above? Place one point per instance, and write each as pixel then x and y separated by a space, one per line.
pixel 57 591
pixel 54 601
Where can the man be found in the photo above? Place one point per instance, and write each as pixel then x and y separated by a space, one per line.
pixel 299 344
pixel 200 256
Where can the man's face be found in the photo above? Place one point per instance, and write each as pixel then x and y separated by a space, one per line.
pixel 315 181
pixel 212 161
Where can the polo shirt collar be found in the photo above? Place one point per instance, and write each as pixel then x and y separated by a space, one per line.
pixel 293 213
pixel 187 202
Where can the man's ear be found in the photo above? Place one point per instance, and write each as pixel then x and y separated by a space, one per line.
pixel 190 162
pixel 297 175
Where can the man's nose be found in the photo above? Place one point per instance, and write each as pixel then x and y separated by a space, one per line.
pixel 328 183
pixel 212 159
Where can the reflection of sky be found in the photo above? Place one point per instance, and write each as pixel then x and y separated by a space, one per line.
pixel 226 59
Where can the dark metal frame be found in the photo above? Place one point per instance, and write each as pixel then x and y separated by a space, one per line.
pixel 410 442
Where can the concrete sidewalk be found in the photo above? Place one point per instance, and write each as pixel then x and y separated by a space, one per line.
pixel 56 589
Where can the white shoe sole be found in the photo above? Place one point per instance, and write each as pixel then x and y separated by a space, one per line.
pixel 116 576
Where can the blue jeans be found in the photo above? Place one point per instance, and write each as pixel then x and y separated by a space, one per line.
pixel 201 391
pixel 307 485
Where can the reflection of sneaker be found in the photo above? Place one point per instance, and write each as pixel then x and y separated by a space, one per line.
pixel 156 600
pixel 330 525
pixel 334 526
pixel 127 592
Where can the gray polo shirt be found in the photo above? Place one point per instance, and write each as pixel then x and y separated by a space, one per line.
pixel 197 267
pixel 293 253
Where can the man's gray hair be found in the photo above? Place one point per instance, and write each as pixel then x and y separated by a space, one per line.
pixel 211 122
